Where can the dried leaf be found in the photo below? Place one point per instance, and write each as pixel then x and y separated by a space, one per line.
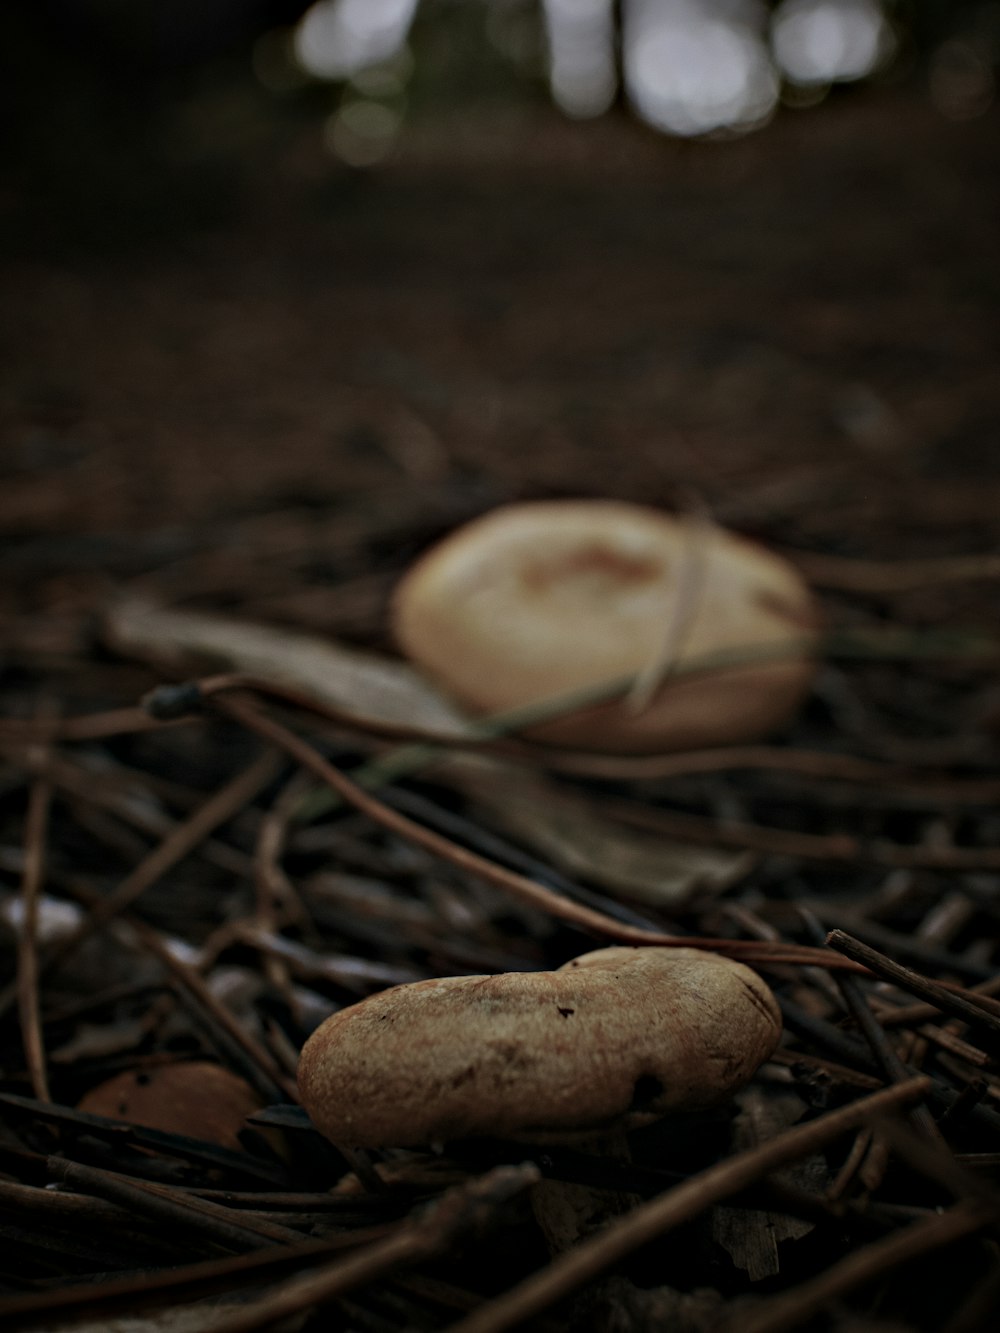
pixel 565 828
pixel 377 691
pixel 751 1237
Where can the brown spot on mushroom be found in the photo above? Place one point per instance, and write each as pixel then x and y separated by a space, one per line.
pixel 601 563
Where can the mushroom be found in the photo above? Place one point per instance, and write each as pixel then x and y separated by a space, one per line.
pixel 534 601
pixel 612 1040
pixel 192 1097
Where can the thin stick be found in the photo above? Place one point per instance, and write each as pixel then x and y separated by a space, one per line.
pixel 272 884
pixel 212 1221
pixel 917 952
pixel 851 1165
pixel 182 840
pixel 36 824
pixel 590 1258
pixel 519 886
pixel 918 1012
pixel 913 982
pixel 886 1056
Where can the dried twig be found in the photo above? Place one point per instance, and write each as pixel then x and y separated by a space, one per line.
pixel 884 1053
pixel 272 884
pixel 219 1225
pixel 978 1014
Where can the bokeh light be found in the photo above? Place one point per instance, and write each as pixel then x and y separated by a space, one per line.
pixel 581 39
pixel 694 68
pixel 336 38
pixel 688 67
pixel 829 41
pixel 362 132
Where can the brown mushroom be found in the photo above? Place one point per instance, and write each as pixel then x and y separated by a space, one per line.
pixel 534 601
pixel 192 1097
pixel 614 1039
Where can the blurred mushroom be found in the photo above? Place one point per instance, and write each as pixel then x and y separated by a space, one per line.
pixel 612 1040
pixel 534 601
pixel 195 1097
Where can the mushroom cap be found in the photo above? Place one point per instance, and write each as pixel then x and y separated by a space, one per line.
pixel 613 1039
pixel 537 600
pixel 193 1097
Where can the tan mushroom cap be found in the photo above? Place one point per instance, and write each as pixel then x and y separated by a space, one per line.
pixel 536 600
pixel 616 1038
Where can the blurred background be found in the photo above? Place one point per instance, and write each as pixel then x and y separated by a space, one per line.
pixel 289 290
pixel 97 90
